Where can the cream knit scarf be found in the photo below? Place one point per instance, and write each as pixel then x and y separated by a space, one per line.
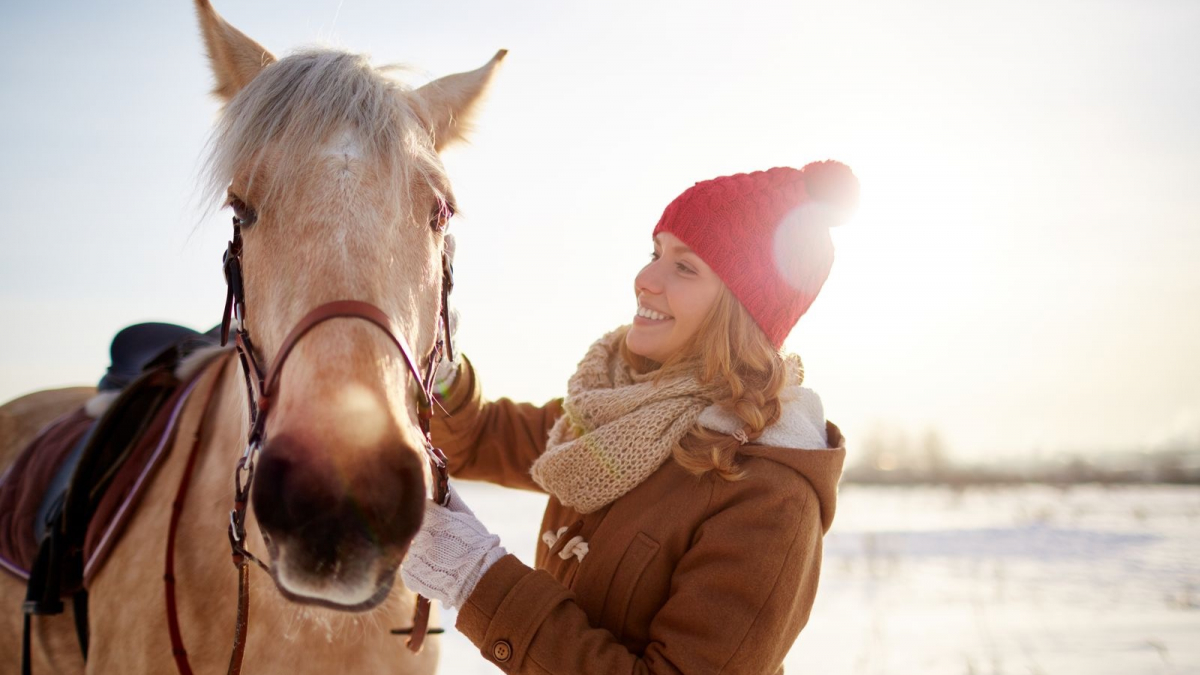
pixel 618 427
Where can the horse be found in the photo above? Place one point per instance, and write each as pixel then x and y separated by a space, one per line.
pixel 332 169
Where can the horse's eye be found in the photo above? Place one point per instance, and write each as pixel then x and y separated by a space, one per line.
pixel 243 215
pixel 439 220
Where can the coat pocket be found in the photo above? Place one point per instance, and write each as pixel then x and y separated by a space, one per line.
pixel 624 582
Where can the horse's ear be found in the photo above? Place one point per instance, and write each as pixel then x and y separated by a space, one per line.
pixel 235 58
pixel 447 103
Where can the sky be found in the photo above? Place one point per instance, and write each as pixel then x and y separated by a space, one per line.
pixel 1020 276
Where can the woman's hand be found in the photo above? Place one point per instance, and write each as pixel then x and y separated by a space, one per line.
pixel 450 554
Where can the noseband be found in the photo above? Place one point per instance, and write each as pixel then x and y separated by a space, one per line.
pixel 261 392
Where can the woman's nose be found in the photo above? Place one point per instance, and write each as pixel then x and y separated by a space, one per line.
pixel 649 279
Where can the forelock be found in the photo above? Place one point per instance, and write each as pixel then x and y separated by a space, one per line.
pixel 295 106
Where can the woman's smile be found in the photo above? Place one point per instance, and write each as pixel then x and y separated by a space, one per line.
pixel 649 317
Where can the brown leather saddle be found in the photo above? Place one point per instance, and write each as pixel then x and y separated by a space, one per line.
pixel 66 499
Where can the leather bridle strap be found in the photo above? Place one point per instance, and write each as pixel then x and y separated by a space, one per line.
pixel 337 309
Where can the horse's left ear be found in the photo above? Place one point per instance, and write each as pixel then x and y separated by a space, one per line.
pixel 235 58
pixel 447 103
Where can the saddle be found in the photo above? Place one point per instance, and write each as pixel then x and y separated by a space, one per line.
pixel 66 499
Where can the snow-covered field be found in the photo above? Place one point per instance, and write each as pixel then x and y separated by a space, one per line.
pixel 1029 580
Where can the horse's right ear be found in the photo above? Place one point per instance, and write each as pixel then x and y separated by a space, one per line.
pixel 235 58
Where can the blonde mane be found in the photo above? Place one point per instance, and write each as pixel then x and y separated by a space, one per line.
pixel 298 106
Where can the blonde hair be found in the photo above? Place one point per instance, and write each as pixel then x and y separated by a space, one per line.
pixel 730 352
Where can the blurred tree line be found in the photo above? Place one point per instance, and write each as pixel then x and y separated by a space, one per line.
pixel 892 456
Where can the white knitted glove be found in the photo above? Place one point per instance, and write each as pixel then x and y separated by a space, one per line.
pixel 450 554
pixel 447 371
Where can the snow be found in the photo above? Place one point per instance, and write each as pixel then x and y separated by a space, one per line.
pixel 1029 580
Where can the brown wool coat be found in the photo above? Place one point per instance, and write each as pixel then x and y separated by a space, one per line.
pixel 683 574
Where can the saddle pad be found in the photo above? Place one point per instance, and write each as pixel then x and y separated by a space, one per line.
pixel 25 482
pixel 22 487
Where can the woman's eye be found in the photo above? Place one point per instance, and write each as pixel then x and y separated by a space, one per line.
pixel 243 215
pixel 683 268
pixel 653 255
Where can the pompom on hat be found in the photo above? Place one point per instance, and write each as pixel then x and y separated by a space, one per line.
pixel 766 235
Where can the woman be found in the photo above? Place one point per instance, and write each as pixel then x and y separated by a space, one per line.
pixel 691 478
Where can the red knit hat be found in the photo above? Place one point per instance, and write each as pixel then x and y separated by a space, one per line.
pixel 766 234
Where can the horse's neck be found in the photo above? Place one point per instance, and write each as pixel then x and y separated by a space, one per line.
pixel 222 419
pixel 127 592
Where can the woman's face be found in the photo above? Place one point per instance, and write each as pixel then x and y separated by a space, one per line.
pixel 674 291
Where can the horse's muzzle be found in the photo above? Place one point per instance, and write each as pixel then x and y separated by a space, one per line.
pixel 337 521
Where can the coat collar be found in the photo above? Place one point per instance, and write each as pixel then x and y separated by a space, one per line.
pixel 801 422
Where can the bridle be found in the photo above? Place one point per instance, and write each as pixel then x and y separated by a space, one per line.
pixel 262 387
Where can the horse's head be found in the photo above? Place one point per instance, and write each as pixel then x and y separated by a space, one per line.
pixel 335 167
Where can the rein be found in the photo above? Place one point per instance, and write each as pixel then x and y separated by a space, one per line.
pixel 262 386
